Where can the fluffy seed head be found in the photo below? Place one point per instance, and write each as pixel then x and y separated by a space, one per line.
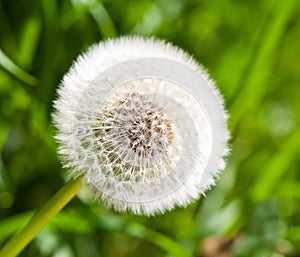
pixel 136 139
pixel 143 124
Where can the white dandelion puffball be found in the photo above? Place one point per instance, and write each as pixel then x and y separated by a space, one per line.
pixel 142 123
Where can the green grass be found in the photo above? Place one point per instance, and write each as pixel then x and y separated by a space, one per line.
pixel 251 48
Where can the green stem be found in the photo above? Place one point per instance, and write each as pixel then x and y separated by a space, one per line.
pixel 21 239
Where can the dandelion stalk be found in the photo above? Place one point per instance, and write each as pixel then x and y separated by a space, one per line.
pixel 21 239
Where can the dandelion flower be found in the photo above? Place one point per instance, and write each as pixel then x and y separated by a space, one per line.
pixel 142 123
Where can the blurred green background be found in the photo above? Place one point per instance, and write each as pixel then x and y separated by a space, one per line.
pixel 251 48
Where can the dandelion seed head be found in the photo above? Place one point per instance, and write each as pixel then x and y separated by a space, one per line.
pixel 136 138
pixel 143 124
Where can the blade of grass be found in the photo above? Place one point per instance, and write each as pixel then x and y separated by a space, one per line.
pixel 29 41
pixel 8 40
pixel 273 171
pixel 100 15
pixel 104 21
pixel 138 230
pixel 289 189
pixel 110 222
pixel 135 229
pixel 15 70
pixel 253 89
pixel 114 223
pixel 150 23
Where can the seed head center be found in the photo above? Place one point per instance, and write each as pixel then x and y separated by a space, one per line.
pixel 145 131
pixel 137 140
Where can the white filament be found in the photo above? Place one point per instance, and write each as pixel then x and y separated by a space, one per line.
pixel 142 122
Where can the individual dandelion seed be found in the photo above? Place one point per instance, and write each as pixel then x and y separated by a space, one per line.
pixel 143 124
